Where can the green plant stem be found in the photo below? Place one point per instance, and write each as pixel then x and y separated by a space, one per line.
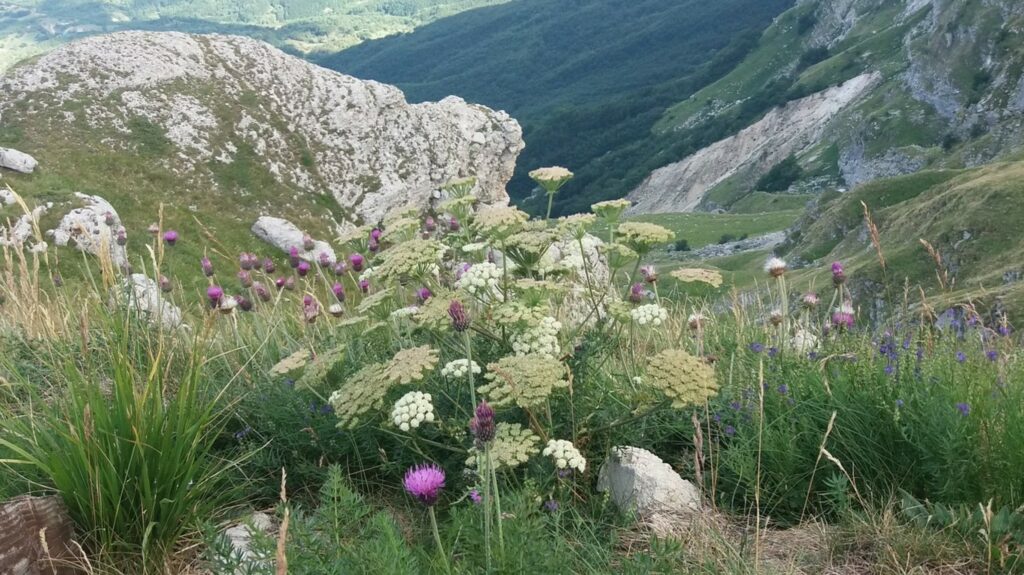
pixel 497 500
pixel 483 463
pixel 469 368
pixel 551 200
pixel 437 539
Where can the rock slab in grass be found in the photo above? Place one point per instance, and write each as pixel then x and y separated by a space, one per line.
pixel 86 228
pixel 17 161
pixel 25 522
pixel 144 296
pixel 639 481
pixel 285 235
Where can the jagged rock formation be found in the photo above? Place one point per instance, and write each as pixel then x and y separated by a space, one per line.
pixel 91 228
pixel 17 161
pixel 213 110
pixel 783 131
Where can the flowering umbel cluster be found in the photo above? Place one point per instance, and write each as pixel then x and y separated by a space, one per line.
pixel 683 378
pixel 412 410
pixel 513 445
pixel 525 380
pixel 565 455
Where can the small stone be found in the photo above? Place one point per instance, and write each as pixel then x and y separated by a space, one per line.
pixel 639 481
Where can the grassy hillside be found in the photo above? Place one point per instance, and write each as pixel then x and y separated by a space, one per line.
pixel 588 80
pixel 303 26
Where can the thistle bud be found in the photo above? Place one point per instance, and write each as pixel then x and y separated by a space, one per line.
pixel 460 319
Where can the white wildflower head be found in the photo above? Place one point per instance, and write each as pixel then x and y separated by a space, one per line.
pixel 775 267
pixel 480 279
pixel 642 236
pixel 610 210
pixel 405 312
pixel 696 320
pixel 565 454
pixel 551 179
pixel 474 248
pixel 541 339
pixel 368 274
pixel 649 314
pixel 412 410
pixel 457 369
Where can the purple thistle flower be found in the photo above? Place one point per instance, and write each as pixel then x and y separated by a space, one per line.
pixel 453 224
pixel 207 266
pixel 429 224
pixel 247 261
pixel 307 242
pixel 339 268
pixel 339 291
pixel 842 319
pixel 165 284
pixel 289 283
pixel 215 293
pixel 425 482
pixel 649 273
pixel 423 294
pixel 324 259
pixel 244 303
pixel 108 218
pixel 261 291
pixel 373 245
pixel 268 265
pixel 964 409
pixel 375 234
pixel 245 278
pixel 838 275
pixel 171 237
pixel 475 497
pixel 482 425
pixel 122 237
pixel 279 282
pixel 364 286
pixel 302 268
pixel 636 293
pixel 357 261
pixel 293 257
pixel 460 319
pixel 310 308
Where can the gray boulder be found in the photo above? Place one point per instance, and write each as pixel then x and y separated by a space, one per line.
pixel 17 161
pixel 285 235
pixel 639 481
pixel 86 228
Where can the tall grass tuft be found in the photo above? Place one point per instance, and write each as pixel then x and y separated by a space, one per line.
pixel 125 431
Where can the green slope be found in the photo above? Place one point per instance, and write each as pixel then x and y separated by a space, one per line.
pixel 588 80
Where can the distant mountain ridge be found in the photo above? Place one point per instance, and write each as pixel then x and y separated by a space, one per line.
pixel 28 27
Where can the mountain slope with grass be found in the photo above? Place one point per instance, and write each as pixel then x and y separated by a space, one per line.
pixel 588 80
pixel 28 27
pixel 950 94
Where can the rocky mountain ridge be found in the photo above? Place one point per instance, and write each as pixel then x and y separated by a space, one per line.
pixel 199 107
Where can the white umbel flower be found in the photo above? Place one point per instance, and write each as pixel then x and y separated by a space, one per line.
pixel 368 274
pixel 541 339
pixel 649 314
pixel 566 455
pixel 457 368
pixel 412 409
pixel 480 279
pixel 775 267
pixel 405 312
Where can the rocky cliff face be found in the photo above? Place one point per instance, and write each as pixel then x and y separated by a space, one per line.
pixel 787 130
pixel 211 111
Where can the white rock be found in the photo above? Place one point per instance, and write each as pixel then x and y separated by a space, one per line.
pixel 240 536
pixel 17 161
pixel 640 481
pixel 87 230
pixel 214 97
pixel 23 228
pixel 144 296
pixel 7 197
pixel 285 235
